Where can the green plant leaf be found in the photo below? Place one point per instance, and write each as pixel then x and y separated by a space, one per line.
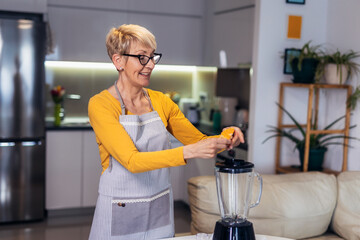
pixel 293 119
pixel 281 133
pixel 319 136
pixel 316 140
pixel 352 100
pixel 336 137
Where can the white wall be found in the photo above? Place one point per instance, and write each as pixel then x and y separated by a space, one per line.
pixel 343 33
pixel 269 44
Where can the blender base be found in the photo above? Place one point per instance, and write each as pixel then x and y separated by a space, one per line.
pixel 239 231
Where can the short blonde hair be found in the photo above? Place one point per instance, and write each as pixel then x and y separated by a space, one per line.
pixel 118 40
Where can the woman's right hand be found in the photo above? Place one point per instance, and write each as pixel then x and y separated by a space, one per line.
pixel 207 148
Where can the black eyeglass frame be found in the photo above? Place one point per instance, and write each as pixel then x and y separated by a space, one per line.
pixel 149 58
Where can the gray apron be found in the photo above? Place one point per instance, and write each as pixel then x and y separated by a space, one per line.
pixel 136 205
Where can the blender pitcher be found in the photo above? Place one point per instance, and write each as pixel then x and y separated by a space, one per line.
pixel 234 182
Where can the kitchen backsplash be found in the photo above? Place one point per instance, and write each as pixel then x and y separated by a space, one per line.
pixel 88 79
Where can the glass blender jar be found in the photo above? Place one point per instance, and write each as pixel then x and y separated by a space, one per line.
pixel 234 182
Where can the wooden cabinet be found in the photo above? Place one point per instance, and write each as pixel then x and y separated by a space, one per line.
pixel 312 107
pixel 72 169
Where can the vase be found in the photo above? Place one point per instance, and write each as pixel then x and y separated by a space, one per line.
pixel 57 114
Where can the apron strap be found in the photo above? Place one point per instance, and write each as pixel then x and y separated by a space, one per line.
pixel 148 98
pixel 122 102
pixel 120 99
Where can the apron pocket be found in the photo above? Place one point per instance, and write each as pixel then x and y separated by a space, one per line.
pixel 140 214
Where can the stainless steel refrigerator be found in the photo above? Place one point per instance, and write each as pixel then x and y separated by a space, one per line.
pixel 22 126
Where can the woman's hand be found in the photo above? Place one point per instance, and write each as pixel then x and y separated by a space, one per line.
pixel 207 148
pixel 237 138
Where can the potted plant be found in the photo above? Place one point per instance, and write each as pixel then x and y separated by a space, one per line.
pixel 304 66
pixel 337 67
pixel 318 142
pixel 352 100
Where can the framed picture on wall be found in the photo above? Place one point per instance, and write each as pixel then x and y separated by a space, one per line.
pixel 290 54
pixel 296 1
pixel 294 27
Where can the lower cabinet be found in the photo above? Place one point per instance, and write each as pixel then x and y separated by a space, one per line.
pixel 73 169
pixel 180 175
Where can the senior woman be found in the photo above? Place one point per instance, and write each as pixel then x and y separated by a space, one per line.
pixel 131 125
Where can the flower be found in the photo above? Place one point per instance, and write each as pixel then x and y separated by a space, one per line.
pixel 58 93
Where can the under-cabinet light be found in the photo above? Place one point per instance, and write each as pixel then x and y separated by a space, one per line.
pixel 102 65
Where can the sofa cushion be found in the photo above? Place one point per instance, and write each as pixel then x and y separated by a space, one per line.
pixel 203 204
pixel 346 219
pixel 295 205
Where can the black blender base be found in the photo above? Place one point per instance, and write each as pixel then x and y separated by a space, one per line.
pixel 240 231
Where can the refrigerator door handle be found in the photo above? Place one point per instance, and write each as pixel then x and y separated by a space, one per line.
pixel 23 143
pixel 7 144
pixel 31 143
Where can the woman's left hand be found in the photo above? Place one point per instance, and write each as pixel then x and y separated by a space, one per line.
pixel 237 138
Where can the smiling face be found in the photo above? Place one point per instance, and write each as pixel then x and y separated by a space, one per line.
pixel 133 72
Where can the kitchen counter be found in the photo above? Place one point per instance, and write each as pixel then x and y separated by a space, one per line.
pixel 85 125
pixel 49 126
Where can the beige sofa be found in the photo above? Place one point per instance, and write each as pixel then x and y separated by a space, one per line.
pixel 300 205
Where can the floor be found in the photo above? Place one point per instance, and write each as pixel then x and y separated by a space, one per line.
pixel 76 227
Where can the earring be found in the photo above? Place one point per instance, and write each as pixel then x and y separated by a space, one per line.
pixel 120 68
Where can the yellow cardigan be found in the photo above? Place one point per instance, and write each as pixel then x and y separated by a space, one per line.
pixel 104 111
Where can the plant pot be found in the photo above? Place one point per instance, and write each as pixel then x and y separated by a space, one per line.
pixel 307 72
pixel 333 76
pixel 316 158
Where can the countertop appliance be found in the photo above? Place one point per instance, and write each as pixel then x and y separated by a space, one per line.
pixel 234 182
pixel 22 124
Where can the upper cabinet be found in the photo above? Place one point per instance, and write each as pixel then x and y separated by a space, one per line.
pixel 29 6
pixel 79 28
pixel 185 7
pixel 226 5
pixel 188 32
pixel 230 27
pixel 78 34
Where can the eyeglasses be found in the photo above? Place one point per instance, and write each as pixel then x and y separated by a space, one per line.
pixel 143 59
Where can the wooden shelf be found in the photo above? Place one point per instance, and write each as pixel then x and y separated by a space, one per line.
pixel 313 90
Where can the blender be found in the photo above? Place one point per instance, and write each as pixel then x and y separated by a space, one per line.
pixel 234 182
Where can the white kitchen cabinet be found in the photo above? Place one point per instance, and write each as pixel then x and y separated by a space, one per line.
pixel 72 169
pixel 63 169
pixel 226 5
pixel 238 41
pixel 180 175
pixel 230 27
pixel 29 6
pixel 179 38
pixel 79 32
pixel 183 7
pixel 91 169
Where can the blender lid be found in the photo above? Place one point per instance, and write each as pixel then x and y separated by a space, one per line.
pixel 234 166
